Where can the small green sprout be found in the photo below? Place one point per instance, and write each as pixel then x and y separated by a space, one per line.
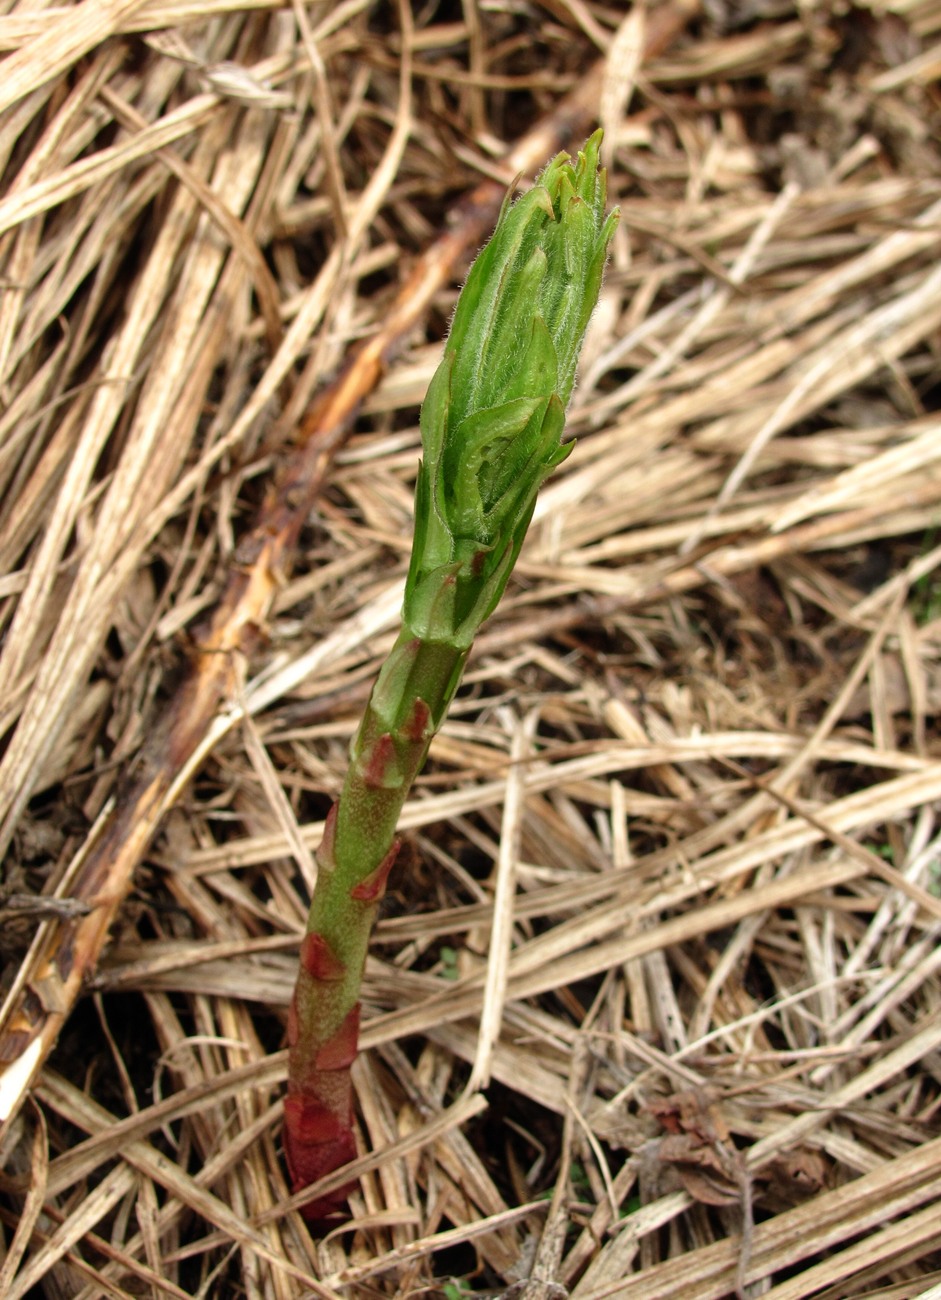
pixel 491 427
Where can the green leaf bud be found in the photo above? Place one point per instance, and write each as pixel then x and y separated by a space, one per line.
pixel 494 414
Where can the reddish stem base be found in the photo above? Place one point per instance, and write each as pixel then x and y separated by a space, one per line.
pixel 318 1118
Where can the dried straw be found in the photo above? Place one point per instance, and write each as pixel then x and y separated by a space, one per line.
pixel 653 1009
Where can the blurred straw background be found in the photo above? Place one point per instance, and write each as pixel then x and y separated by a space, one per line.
pixel 653 1008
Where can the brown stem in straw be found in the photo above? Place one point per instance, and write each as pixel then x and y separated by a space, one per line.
pixel 70 948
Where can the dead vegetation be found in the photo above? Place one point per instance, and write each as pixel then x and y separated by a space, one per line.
pixel 654 1007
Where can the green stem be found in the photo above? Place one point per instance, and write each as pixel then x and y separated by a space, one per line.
pixel 407 705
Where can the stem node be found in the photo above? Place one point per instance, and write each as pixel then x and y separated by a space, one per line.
pixel 373 888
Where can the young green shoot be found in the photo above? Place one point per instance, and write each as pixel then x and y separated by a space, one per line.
pixel 491 427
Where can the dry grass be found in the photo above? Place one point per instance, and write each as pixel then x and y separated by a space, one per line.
pixel 654 1006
